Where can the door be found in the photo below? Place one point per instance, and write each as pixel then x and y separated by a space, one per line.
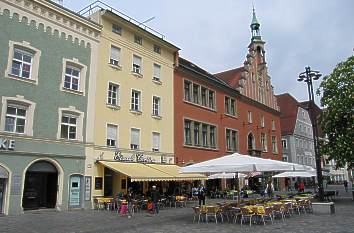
pixel 75 192
pixel 2 194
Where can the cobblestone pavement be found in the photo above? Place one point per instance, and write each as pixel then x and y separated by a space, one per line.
pixel 170 220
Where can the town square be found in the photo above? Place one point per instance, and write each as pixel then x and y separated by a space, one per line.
pixel 176 116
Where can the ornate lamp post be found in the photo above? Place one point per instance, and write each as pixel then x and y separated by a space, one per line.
pixel 308 76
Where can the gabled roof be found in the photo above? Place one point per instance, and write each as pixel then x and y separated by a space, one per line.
pixel 232 77
pixel 288 106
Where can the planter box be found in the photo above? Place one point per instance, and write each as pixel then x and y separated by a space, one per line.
pixel 323 208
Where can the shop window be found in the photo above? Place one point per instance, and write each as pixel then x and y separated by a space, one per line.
pixel 98 183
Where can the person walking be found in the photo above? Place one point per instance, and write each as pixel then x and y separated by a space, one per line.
pixel 201 195
pixel 302 187
pixel 270 189
pixel 345 183
pixel 155 197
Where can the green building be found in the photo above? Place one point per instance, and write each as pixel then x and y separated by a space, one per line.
pixel 47 88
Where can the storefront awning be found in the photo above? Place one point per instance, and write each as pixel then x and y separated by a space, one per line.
pixel 138 171
pixel 173 170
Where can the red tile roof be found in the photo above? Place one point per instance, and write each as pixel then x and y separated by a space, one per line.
pixel 232 77
pixel 288 107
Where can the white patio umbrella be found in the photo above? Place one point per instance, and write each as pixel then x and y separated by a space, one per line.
pixel 294 174
pixel 224 175
pixel 241 163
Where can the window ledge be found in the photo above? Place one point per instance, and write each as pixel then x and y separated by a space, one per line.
pixel 113 107
pixel 157 117
pixel 158 82
pixel 200 147
pixel 138 75
pixel 135 112
pixel 116 67
pixel 69 140
pixel 15 133
pixel 200 106
pixel 18 78
pixel 230 115
pixel 72 91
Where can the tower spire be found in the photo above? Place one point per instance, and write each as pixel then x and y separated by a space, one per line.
pixel 255 26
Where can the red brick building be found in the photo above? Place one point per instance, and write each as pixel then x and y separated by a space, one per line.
pixel 232 111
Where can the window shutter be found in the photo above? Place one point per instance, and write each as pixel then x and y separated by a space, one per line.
pixel 115 53
pixel 112 132
pixel 137 60
pixel 157 70
pixel 135 136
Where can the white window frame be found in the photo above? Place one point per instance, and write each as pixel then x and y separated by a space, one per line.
pixel 138 39
pixel 249 117
pixel 157 49
pixel 26 48
pixel 82 79
pixel 264 146
pixel 79 126
pixel 156 72
pixel 273 125
pixel 262 121
pixel 117 94
pixel 115 62
pixel 69 125
pixel 21 102
pixel 117 30
pixel 133 102
pixel 158 109
pixel 138 146
pixel 233 147
pixel 113 139
pixel 274 145
pixel 154 149
pixel 137 68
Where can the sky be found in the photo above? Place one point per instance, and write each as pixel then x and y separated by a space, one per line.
pixel 215 34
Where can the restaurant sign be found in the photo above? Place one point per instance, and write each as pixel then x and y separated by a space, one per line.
pixel 137 157
pixel 7 144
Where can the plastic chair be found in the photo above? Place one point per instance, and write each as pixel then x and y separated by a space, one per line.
pixel 246 213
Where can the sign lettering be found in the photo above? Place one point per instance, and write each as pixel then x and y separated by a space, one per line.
pixel 6 144
pixel 137 157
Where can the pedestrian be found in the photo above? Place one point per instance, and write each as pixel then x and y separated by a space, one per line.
pixel 301 187
pixel 296 186
pixel 155 197
pixel 345 185
pixel 201 195
pixel 270 189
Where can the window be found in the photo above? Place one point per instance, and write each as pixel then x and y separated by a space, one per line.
pixel 249 117
pixel 187 132
pixel 135 138
pixel 74 74
pixel 229 106
pixel 212 136
pixel 112 135
pixel 135 101
pixel 156 106
pixel 187 90
pixel 115 56
pixel 22 63
pixel 264 142
pixel 196 133
pixel 231 140
pixel 157 49
pixel 297 142
pixel 68 127
pixel 203 91
pixel 113 92
pixel 204 135
pixel 262 121
pixel 116 29
pixel 196 93
pixel 136 64
pixel 138 39
pixel 72 78
pixel 157 73
pixel 155 141
pixel 274 144
pixel 283 143
pixel 15 120
pixel 211 99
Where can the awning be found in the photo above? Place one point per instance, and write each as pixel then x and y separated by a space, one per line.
pixel 173 170
pixel 137 171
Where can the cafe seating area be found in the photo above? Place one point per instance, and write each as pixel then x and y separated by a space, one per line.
pixel 254 210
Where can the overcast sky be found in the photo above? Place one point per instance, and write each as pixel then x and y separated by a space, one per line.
pixel 215 34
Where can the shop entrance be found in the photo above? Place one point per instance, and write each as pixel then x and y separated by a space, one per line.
pixel 40 189
pixel 4 175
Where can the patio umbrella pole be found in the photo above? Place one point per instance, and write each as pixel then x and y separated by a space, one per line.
pixel 238 189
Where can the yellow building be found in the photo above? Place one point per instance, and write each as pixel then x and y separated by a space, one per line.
pixel 134 103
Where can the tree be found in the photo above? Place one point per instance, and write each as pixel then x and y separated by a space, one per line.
pixel 338 115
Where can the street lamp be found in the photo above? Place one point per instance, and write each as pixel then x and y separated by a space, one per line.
pixel 308 76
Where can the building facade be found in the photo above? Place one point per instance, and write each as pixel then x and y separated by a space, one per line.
pixel 45 84
pixel 134 102
pixel 297 133
pixel 217 115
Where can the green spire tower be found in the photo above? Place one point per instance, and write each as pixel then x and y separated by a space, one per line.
pixel 255 25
